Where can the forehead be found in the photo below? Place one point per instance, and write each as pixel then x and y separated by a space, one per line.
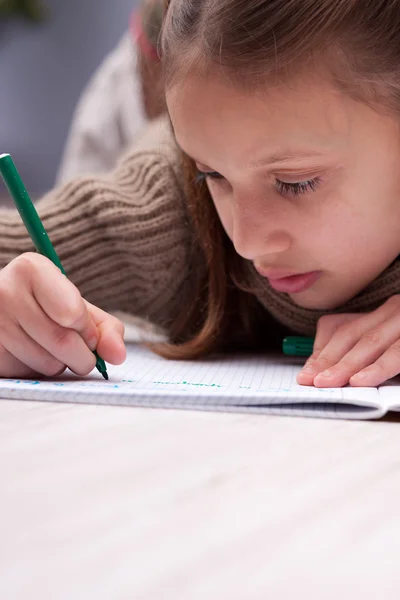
pixel 211 115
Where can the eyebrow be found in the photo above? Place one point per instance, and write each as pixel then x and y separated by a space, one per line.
pixel 281 156
pixel 286 156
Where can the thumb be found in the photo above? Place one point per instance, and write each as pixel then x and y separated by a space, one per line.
pixel 111 346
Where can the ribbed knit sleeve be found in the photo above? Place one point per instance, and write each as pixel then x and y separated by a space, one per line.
pixel 123 238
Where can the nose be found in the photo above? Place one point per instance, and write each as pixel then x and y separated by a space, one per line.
pixel 258 233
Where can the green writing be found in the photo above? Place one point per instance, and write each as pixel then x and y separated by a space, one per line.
pixel 209 385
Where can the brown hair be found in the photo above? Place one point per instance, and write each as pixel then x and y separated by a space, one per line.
pixel 354 43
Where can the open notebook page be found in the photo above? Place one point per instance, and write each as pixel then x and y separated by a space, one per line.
pixel 389 393
pixel 262 383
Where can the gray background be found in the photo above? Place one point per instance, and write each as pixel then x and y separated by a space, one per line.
pixel 43 69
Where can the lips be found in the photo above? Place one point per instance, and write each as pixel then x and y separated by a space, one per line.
pixel 291 284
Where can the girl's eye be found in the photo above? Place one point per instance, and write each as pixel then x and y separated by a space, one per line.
pixel 295 189
pixel 201 176
pixel 284 188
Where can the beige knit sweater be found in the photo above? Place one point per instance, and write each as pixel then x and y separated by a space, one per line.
pixel 124 240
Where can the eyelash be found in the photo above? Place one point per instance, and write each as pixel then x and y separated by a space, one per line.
pixel 284 188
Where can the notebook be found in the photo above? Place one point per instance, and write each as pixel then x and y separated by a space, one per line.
pixel 255 384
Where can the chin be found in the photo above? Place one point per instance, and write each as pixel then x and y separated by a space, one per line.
pixel 314 302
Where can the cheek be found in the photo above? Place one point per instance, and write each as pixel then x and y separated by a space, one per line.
pixel 352 224
pixel 223 206
pixel 336 229
pixel 332 225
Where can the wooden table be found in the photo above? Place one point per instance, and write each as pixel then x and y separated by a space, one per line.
pixel 101 502
pixel 121 503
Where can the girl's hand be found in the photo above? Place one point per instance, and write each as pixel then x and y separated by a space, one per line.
pixel 362 349
pixel 46 325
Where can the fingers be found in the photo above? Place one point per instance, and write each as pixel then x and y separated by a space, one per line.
pixel 27 359
pixel 327 326
pixel 384 368
pixel 13 368
pixel 65 345
pixel 99 330
pixel 111 345
pixel 354 346
pixel 366 351
pixel 330 329
pixel 46 289
pixel 45 324
pixel 44 345
pixel 62 303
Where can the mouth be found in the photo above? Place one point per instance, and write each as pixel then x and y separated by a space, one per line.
pixel 291 284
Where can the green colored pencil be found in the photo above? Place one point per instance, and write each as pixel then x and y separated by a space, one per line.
pixel 298 346
pixel 33 224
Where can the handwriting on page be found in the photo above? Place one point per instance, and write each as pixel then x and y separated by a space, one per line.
pixel 229 383
pixel 144 370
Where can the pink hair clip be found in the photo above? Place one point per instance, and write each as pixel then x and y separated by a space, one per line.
pixel 139 35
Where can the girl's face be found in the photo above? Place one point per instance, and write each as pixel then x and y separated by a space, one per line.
pixel 303 179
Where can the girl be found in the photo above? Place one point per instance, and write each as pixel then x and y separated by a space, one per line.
pixel 124 93
pixel 269 205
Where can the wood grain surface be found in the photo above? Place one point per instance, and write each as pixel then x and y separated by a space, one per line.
pixel 120 503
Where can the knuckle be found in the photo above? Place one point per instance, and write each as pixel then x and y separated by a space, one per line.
pixel 6 293
pixel 395 349
pixel 326 320
pixel 323 361
pixel 25 267
pixel 119 326
pixel 24 264
pixel 73 310
pixel 329 323
pixel 347 332
pixel 346 329
pixel 393 354
pixel 348 364
pixel 85 369
pixel 62 337
pixel 372 338
pixel 51 367
pixel 380 366
pixel 15 275
pixel 340 321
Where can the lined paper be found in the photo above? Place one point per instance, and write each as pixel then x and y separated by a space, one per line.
pixel 248 383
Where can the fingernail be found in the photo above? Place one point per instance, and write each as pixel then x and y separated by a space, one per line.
pixel 307 369
pixel 92 343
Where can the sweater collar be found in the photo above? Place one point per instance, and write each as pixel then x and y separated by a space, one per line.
pixel 304 320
